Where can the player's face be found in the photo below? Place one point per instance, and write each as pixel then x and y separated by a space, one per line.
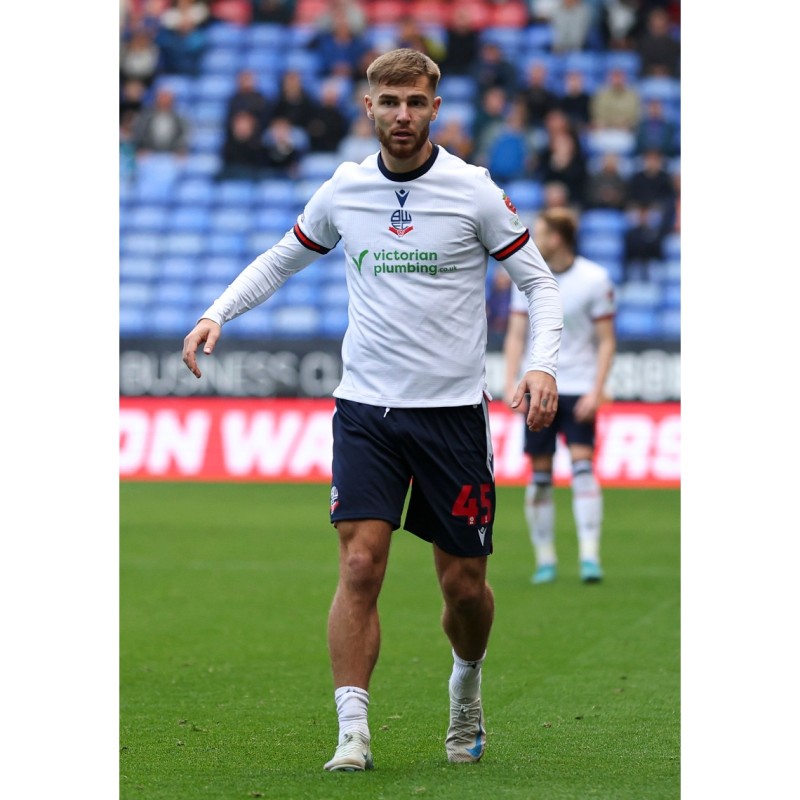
pixel 403 116
pixel 544 239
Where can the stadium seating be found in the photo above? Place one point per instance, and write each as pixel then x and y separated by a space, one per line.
pixel 184 234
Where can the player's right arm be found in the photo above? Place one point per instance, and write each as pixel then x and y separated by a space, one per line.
pixel 513 350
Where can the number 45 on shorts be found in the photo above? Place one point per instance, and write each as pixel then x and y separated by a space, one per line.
pixel 475 503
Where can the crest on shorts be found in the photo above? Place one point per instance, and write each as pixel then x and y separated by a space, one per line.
pixel 334 498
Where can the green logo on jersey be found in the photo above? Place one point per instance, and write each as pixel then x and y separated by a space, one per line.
pixel 358 261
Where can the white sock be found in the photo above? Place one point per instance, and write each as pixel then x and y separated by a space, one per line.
pixel 465 680
pixel 587 506
pixel 351 706
pixel 540 514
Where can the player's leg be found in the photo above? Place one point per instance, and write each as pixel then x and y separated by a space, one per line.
pixel 467 621
pixel 354 634
pixel 539 505
pixel 587 509
pixel 452 504
pixel 369 485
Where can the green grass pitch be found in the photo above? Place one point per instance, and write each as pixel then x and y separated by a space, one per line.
pixel 225 687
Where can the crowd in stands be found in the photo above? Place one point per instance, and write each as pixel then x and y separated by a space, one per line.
pixel 579 98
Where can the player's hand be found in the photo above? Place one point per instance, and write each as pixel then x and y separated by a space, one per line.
pixel 206 331
pixel 543 399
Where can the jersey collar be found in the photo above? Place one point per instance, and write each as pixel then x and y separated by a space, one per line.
pixel 408 176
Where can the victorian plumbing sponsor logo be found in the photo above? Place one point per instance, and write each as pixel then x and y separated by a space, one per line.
pixel 401 262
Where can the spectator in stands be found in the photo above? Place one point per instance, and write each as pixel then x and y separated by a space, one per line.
pixel 411 34
pixel 644 243
pixel 489 117
pixel 659 50
pixel 278 11
pixel 564 162
pixel 462 42
pixel 539 99
pixel 616 105
pixel 621 22
pixel 360 142
pixel 327 124
pixel 341 48
pixel 243 153
pixel 454 137
pixel 131 98
pixel 651 188
pixel 182 36
pixel 139 57
pixel 248 97
pixel 510 149
pixel 160 128
pixel 493 70
pixel 352 10
pixel 293 102
pixel 284 148
pixel 572 22
pixel 576 101
pixel 607 187
pixel 655 131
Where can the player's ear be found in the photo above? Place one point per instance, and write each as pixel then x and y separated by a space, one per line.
pixel 437 102
pixel 368 106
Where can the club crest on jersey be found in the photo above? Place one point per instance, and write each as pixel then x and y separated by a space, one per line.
pixel 401 219
pixel 511 207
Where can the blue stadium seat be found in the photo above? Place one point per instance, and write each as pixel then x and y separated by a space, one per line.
pixel 138 268
pixel 590 64
pixel 255 324
pixel 268 35
pixel 671 295
pixel 201 165
pixel 457 89
pixel 603 220
pixel 526 195
pixel 639 294
pixel 184 244
pixel 333 321
pixel 145 218
pixel 261 240
pixel 180 268
pixel 607 140
pixel 190 218
pixel 214 86
pixel 207 139
pixel 510 40
pixel 226 244
pixel 174 293
pixel 181 86
pixel 225 34
pixel 235 193
pixel 171 321
pixel 463 111
pixel 601 247
pixel 538 37
pixel 672 246
pixel 636 323
pixel 220 269
pixel 628 61
pixel 231 220
pixel 140 244
pixel 297 321
pixel 334 294
pixel 306 62
pixel 275 193
pixel 318 166
pixel 207 113
pixel 265 60
pixel 150 191
pixel 133 321
pixel 670 324
pixel 225 60
pixel 657 87
pixel 196 191
pixel 299 292
pixel 136 293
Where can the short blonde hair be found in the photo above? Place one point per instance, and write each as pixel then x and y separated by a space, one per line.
pixel 401 67
pixel 564 222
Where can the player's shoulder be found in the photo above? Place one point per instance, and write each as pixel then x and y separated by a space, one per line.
pixel 591 268
pixel 456 165
pixel 354 169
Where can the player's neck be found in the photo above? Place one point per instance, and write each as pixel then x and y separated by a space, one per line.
pixel 407 164
pixel 561 261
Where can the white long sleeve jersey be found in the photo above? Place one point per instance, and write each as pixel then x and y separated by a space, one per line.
pixel 416 250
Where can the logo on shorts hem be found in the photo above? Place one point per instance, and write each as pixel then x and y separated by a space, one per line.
pixel 334 499
pixel 482 534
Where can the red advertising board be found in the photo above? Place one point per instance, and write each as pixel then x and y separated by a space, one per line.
pixel 221 439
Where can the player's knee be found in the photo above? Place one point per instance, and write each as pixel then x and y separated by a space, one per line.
pixel 463 590
pixel 583 478
pixel 540 489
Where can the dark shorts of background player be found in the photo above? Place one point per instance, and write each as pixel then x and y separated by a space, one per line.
pixel 543 442
pixel 445 454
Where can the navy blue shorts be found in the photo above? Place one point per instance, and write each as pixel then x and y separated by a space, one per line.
pixel 445 454
pixel 543 442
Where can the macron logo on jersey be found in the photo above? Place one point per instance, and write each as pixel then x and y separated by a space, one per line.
pixel 401 219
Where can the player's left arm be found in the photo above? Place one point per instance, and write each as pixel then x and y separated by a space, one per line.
pixel 587 406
